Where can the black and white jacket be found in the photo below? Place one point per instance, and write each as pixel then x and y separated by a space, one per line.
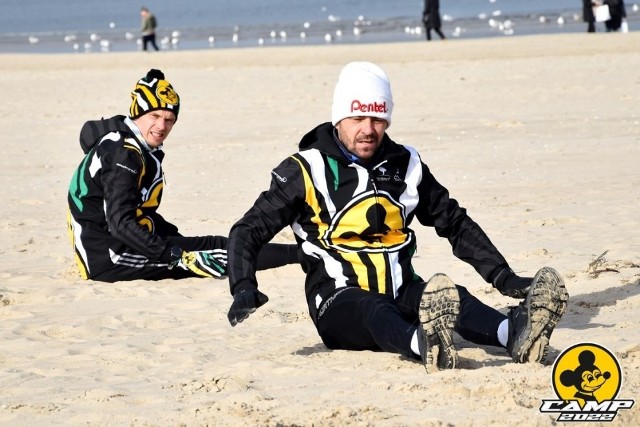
pixel 113 199
pixel 352 222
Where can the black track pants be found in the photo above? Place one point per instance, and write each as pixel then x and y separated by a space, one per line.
pixel 272 255
pixel 356 319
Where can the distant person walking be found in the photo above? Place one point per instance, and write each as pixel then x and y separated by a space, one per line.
pixel 431 18
pixel 148 28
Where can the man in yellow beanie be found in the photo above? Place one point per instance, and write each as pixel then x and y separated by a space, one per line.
pixel 350 195
pixel 115 193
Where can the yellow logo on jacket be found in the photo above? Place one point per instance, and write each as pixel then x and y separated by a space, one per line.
pixel 372 222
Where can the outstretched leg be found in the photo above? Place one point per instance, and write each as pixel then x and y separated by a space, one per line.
pixel 532 322
pixel 438 313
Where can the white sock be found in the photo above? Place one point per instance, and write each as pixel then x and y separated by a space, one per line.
pixel 503 332
pixel 414 343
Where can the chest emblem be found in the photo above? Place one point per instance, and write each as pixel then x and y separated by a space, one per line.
pixel 372 222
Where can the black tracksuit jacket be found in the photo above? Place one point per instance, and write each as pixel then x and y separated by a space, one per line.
pixel 113 200
pixel 352 222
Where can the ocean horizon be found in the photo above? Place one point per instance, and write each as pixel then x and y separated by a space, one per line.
pixel 58 26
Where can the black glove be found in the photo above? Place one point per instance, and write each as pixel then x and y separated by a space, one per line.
pixel 245 302
pixel 512 285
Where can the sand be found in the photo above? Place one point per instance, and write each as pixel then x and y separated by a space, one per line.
pixel 538 137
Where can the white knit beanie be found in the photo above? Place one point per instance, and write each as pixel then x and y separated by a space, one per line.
pixel 363 89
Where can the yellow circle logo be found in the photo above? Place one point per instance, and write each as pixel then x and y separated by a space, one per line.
pixel 383 226
pixel 166 94
pixel 587 373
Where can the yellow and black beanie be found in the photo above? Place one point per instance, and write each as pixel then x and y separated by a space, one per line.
pixel 153 92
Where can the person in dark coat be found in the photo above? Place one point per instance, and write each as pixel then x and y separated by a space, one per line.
pixel 588 16
pixel 617 12
pixel 431 18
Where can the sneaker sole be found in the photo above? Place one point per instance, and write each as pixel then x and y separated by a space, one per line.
pixel 438 313
pixel 547 303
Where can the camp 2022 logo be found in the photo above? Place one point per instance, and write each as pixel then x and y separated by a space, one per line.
pixel 586 379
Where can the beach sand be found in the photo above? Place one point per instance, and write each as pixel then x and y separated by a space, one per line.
pixel 538 137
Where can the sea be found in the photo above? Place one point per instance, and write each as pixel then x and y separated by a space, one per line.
pixel 102 26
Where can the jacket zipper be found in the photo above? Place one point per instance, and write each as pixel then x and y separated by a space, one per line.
pixel 375 192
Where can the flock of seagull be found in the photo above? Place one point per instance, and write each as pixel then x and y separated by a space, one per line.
pixel 172 41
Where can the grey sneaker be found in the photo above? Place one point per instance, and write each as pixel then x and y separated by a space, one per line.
pixel 438 313
pixel 532 322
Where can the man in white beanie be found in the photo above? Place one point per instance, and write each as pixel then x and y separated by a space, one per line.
pixel 350 195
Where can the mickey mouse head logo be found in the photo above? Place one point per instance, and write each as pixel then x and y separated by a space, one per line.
pixel 587 378
pixel 586 372
pixel 166 94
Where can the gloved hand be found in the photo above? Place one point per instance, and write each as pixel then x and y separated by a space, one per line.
pixel 512 285
pixel 245 302
pixel 211 263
